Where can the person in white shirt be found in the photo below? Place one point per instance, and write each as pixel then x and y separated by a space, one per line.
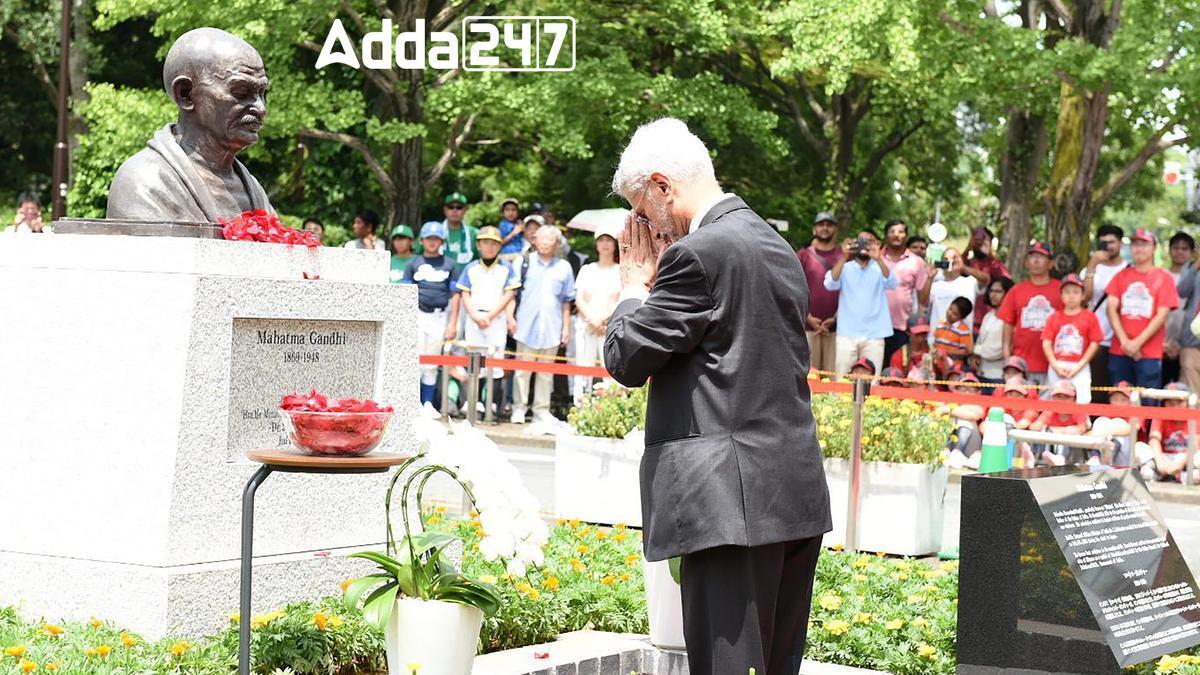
pixel 596 291
pixel 952 280
pixel 365 224
pixel 989 345
pixel 1104 264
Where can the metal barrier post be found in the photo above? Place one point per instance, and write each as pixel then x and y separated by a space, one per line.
pixel 861 388
pixel 474 360
pixel 1135 399
pixel 1188 479
pixel 445 370
pixel 489 414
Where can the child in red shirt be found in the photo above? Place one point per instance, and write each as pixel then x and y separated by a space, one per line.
pixel 914 354
pixel 1070 340
pixel 1059 423
pixel 1165 456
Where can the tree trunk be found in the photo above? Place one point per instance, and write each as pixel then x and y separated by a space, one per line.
pixel 1020 171
pixel 81 20
pixel 1082 119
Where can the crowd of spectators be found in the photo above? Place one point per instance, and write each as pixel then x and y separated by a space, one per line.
pixel 957 321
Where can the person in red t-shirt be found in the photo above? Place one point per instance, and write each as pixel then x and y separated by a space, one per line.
pixel 1059 423
pixel 916 352
pixel 1140 298
pixel 1165 455
pixel 1025 310
pixel 818 258
pixel 1070 340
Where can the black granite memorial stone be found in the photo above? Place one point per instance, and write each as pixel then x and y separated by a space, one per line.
pixel 1068 570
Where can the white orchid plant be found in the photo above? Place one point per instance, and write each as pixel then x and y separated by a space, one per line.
pixel 414 566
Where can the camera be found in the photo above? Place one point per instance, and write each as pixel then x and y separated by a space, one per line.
pixel 942 264
pixel 1101 245
pixel 861 247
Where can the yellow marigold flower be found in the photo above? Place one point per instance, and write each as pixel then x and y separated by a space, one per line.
pixel 561 521
pixel 624 576
pixel 830 601
pixel 573 524
pixel 585 531
pixel 551 584
pixel 439 509
pixel 577 565
pixel 894 624
pixel 601 534
pixel 534 595
pixel 920 622
pixel 90 652
pixel 837 627
pixel 473 513
pixel 16 652
pixel 346 584
pixel 95 623
pixel 926 651
pixel 861 563
pixel 620 526
pixel 413 667
pixel 608 580
pixel 480 534
pixel 633 559
pixel 103 650
pixel 862 617
pixel 902 566
pixel 128 640
pixel 488 579
pixel 838 547
pixel 1167 664
pixel 949 565
pixel 52 630
pixel 28 666
pixel 620 536
pixel 51 667
pixel 336 621
pixel 916 599
pixel 321 620
pixel 235 618
pixel 433 520
pixel 179 648
pixel 475 523
pixel 524 588
pixel 900 576
pixel 582 549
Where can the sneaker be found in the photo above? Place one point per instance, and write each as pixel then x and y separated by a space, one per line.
pixel 518 415
pixel 1148 470
pixel 1053 458
pixel 545 418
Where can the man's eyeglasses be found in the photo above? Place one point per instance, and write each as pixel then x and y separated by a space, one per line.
pixel 455 207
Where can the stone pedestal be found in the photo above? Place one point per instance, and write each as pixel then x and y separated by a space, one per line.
pixel 134 371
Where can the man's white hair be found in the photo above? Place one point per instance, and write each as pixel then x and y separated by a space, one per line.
pixel 666 146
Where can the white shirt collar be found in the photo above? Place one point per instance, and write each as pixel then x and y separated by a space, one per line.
pixel 704 211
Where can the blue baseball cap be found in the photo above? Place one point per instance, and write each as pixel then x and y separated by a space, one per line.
pixel 433 228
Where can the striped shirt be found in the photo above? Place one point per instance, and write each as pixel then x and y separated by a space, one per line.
pixel 953 340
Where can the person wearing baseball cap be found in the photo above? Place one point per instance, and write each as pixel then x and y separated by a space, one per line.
pixel 1059 423
pixel 511 229
pixel 488 287
pixel 1026 309
pixel 891 377
pixel 1164 456
pixel 402 252
pixel 915 354
pixel 597 290
pixel 1071 339
pixel 461 237
pixel 436 278
pixel 862 368
pixel 821 254
pixel 1139 299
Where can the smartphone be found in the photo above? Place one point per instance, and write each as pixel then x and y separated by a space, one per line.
pixel 1101 246
pixel 942 264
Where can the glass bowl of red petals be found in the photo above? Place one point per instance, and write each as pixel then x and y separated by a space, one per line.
pixel 343 427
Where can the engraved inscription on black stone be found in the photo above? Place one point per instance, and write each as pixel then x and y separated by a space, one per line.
pixel 1066 570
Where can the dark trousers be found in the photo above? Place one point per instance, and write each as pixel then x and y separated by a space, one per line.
pixel 747 607
pixel 1140 373
pixel 891 344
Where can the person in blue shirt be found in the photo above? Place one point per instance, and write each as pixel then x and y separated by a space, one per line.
pixel 864 321
pixel 543 321
pixel 511 229
pixel 436 279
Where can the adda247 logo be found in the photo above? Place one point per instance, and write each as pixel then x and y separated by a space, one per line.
pixel 503 43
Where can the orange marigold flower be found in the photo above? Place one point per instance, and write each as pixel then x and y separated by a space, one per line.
pixel 608 580
pixel 128 640
pixel 346 584
pixel 28 666
pixel 601 534
pixel 551 584
pixel 16 651
pixel 103 650
pixel 582 549
pixel 95 623
pixel 52 630
pixel 179 648
pixel 51 667
pixel 577 565
pixel 321 620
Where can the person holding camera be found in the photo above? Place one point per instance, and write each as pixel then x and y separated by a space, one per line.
pixel 29 215
pixel 951 278
pixel 864 322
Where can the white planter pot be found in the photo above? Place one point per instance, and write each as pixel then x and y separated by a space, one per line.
pixel 596 479
pixel 665 605
pixel 440 637
pixel 900 506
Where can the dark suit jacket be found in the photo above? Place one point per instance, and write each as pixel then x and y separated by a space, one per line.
pixel 731 451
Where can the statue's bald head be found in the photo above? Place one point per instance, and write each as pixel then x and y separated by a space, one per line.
pixel 208 52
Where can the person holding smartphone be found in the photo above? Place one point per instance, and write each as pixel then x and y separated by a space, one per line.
pixel 29 215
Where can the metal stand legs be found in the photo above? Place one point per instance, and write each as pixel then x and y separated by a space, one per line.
pixel 247 567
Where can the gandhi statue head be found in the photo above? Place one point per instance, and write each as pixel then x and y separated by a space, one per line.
pixel 220 85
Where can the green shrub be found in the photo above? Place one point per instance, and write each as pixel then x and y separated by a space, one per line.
pixel 893 430
pixel 610 411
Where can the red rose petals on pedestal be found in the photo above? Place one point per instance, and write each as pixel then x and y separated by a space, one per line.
pixel 259 225
pixel 331 426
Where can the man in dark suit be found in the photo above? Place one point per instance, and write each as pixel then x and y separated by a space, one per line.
pixel 713 310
